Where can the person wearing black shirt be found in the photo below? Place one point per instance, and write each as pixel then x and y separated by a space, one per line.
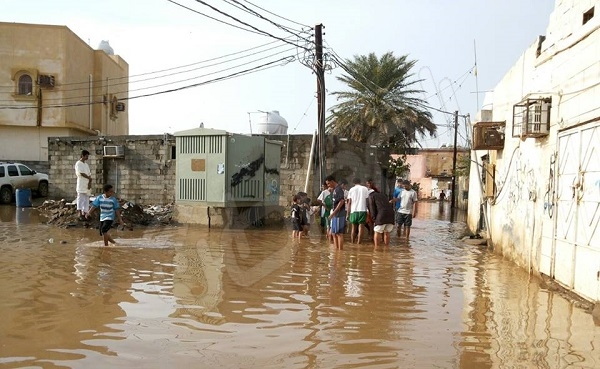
pixel 338 214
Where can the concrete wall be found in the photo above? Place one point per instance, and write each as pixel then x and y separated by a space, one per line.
pixel 344 159
pixel 145 175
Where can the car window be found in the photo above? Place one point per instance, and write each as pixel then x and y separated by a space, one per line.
pixel 25 171
pixel 2 172
pixel 12 171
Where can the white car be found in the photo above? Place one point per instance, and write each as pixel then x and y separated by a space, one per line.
pixel 16 175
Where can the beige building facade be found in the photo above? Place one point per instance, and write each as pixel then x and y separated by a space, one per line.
pixel 53 84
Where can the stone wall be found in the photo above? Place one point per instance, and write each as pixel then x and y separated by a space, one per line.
pixel 344 160
pixel 144 175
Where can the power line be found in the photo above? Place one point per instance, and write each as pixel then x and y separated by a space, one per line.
pixel 158 77
pixel 86 83
pixel 265 10
pixel 465 75
pixel 213 18
pixel 237 74
pixel 246 24
pixel 258 68
pixel 244 8
pixel 306 111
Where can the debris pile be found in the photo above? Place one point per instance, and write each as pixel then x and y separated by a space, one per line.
pixel 64 214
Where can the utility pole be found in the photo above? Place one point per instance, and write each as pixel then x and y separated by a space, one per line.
pixel 453 195
pixel 320 72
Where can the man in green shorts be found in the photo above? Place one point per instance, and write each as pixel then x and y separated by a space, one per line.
pixel 357 203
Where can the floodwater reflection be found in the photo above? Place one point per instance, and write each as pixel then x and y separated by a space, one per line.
pixel 251 298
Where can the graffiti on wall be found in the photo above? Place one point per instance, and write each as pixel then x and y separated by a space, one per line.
pixel 520 183
pixel 550 193
pixel 246 170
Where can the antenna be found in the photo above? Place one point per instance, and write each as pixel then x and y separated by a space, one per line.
pixel 250 122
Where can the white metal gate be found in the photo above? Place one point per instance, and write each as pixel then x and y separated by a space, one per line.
pixel 577 233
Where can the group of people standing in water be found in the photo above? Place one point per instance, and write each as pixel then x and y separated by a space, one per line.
pixel 358 210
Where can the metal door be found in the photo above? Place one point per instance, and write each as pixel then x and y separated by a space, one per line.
pixel 577 233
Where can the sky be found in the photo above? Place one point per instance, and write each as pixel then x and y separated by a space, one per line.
pixel 173 45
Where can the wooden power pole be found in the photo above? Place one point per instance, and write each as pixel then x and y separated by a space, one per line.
pixel 453 195
pixel 320 72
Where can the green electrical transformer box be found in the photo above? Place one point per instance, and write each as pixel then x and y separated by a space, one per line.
pixel 220 169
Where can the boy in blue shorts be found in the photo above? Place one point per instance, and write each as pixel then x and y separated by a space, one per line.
pixel 337 216
pixel 109 207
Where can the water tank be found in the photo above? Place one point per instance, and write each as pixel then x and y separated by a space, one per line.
pixel 271 123
pixel 105 46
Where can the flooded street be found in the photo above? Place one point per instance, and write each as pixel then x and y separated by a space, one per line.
pixel 198 298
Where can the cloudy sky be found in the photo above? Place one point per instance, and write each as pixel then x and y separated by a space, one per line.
pixel 239 71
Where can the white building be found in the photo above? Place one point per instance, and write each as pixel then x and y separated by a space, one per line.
pixel 538 154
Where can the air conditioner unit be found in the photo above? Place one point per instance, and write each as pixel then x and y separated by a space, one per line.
pixel 45 80
pixel 536 118
pixel 114 151
pixel 540 118
pixel 488 135
pixel 493 137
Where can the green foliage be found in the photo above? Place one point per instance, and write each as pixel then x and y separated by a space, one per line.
pixel 381 106
pixel 416 186
pixel 398 167
pixel 463 165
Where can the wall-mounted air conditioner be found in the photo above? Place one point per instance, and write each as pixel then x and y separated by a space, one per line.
pixel 488 135
pixel 531 118
pixel 114 151
pixel 45 80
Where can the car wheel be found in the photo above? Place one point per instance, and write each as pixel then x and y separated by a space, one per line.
pixel 5 195
pixel 43 189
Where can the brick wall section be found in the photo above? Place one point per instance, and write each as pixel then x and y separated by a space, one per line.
pixel 344 159
pixel 145 175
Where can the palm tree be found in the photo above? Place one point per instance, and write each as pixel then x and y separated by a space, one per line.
pixel 381 106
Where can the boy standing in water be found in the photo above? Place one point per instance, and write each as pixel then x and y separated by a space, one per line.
pixel 109 207
pixel 296 216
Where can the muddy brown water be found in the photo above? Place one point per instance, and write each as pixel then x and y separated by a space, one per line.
pixel 254 298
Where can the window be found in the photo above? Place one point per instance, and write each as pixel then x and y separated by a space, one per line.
pixel 25 85
pixel 2 174
pixel 12 171
pixel 25 171
pixel 588 15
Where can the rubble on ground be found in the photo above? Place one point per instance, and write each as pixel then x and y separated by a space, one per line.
pixel 64 214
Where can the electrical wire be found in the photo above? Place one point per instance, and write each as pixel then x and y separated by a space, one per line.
pixel 304 115
pixel 158 85
pixel 244 8
pixel 464 75
pixel 246 24
pixel 258 68
pixel 86 83
pixel 262 67
pixel 265 10
pixel 213 18
pixel 346 69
